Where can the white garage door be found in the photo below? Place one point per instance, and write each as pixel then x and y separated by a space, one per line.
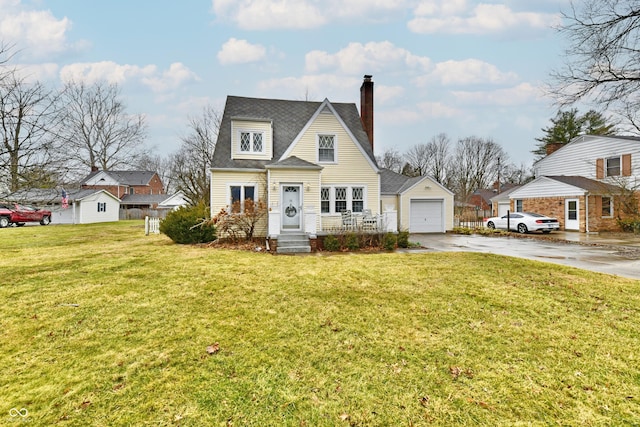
pixel 503 207
pixel 426 216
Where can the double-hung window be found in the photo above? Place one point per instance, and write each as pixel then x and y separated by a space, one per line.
pixel 607 207
pixel 613 166
pixel 326 148
pixel 239 194
pixel 251 142
pixel 102 206
pixel 519 205
pixel 335 199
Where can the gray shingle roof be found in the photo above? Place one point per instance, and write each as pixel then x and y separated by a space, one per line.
pixel 586 183
pixel 394 183
pixel 288 118
pixel 126 177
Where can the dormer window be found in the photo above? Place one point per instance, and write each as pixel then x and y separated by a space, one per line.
pixel 326 148
pixel 251 142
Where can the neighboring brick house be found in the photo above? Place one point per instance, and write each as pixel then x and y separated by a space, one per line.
pixel 125 183
pixel 584 184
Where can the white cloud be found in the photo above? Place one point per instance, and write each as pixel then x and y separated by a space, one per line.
pixel 105 70
pixel 34 33
pixel 38 72
pixel 312 87
pixel 304 14
pixel 236 51
pixel 367 58
pixel 521 94
pixel 268 14
pixel 177 75
pixel 469 71
pixel 436 17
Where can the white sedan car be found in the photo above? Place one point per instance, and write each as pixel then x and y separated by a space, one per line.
pixel 523 222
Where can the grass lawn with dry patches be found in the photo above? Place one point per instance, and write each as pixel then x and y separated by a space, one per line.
pixel 101 325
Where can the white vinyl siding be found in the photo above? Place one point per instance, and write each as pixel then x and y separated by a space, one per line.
pixel 579 157
pixel 546 187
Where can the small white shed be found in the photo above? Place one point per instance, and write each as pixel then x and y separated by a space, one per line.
pixel 87 206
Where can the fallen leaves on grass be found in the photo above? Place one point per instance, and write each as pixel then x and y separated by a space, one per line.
pixel 213 348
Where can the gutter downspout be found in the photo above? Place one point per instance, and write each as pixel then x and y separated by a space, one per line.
pixel 586 210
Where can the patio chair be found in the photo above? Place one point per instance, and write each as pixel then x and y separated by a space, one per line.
pixel 369 221
pixel 348 221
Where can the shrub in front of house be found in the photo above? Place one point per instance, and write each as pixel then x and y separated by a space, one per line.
pixel 331 243
pixel 403 239
pixel 389 242
pixel 188 225
pixel 631 225
pixel 352 241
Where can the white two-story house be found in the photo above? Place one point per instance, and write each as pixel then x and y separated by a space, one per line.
pixel 588 184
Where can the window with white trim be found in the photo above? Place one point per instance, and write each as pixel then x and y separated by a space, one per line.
pixel 335 199
pixel 607 207
pixel 325 200
pixel 102 206
pixel 612 166
pixel 519 205
pixel 251 142
pixel 240 193
pixel 326 148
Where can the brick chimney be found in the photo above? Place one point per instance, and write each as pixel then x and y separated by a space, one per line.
pixel 366 106
pixel 553 146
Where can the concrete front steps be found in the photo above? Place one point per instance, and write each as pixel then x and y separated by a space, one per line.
pixel 293 243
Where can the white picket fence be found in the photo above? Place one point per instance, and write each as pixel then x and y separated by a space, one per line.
pixel 151 225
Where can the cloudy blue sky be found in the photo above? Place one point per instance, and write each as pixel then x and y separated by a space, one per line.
pixel 462 67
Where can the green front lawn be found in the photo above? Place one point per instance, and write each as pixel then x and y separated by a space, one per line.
pixel 101 325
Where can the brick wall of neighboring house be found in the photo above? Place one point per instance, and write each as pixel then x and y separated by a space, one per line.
pixel 113 189
pixel 549 206
pixel 555 207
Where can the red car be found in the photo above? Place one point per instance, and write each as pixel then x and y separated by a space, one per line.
pixel 19 215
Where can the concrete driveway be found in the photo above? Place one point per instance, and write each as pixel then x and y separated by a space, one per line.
pixel 612 254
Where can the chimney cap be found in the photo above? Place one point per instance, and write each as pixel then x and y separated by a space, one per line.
pixel 367 77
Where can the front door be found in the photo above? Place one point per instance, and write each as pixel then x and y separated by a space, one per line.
pixel 571 217
pixel 291 209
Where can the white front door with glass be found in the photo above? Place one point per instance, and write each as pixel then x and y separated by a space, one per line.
pixel 291 207
pixel 571 218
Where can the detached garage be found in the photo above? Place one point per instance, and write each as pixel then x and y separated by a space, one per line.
pixel 426 216
pixel 423 205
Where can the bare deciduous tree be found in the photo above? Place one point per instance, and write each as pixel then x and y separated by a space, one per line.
pixel 27 115
pixel 390 159
pixel 602 59
pixel 418 157
pixel 97 128
pixel 475 165
pixel 439 164
pixel 190 169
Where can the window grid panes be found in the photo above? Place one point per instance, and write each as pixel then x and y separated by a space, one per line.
pixel 357 199
pixel 325 200
pixel 251 142
pixel 341 199
pixel 326 148
pixel 245 141
pixel 257 142
pixel 613 166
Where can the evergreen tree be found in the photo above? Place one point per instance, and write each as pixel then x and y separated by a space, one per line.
pixel 566 125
